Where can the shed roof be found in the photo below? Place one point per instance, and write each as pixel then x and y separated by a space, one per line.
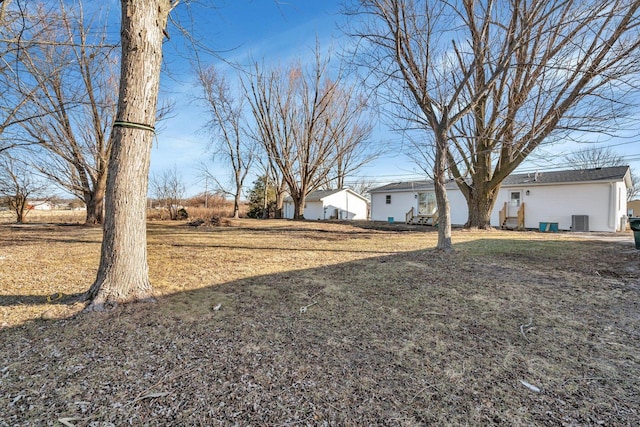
pixel 317 195
pixel 608 174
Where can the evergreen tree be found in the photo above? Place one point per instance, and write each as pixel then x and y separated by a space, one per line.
pixel 262 204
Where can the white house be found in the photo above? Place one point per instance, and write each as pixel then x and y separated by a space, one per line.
pixel 578 200
pixel 331 204
pixel 40 205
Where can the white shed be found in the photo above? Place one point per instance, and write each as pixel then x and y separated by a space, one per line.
pixel 40 205
pixel 331 204
pixel 578 200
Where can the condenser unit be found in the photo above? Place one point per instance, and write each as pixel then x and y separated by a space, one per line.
pixel 579 222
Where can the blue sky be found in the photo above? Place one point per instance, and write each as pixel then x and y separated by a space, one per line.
pixel 265 30
pixel 279 32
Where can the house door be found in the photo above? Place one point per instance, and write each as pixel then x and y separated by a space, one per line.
pixel 515 200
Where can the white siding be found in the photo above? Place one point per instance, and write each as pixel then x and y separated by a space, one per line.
pixel 287 210
pixel 557 203
pixel 348 204
pixel 604 203
pixel 313 210
pixel 621 206
pixel 458 207
pixel 40 205
pixel 401 203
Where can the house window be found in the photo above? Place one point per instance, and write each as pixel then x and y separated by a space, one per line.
pixel 427 203
pixel 515 199
pixel 388 199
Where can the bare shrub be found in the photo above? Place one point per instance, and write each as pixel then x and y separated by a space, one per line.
pixel 216 207
pixel 158 215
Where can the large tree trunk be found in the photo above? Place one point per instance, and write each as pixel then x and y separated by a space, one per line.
pixel 238 195
pixel 123 274
pixel 94 210
pixel 279 201
pixel 440 182
pixel 480 203
pixel 298 205
pixel 20 208
pixel 94 202
pixel 236 205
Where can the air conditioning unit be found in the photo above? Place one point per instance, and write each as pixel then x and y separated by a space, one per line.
pixel 579 222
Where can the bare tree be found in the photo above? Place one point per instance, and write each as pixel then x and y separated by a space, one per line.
pixel 226 125
pixel 73 107
pixel 602 157
pixel 275 180
pixel 8 77
pixel 18 183
pixel 412 53
pixel 123 274
pixel 595 157
pixel 573 69
pixel 17 35
pixel 348 130
pixel 522 74
pixel 362 186
pixel 168 189
pixel 305 121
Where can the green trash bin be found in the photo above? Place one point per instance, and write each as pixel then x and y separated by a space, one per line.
pixel 634 222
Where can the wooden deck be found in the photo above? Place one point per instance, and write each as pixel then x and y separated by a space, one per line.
pixel 412 218
pixel 512 222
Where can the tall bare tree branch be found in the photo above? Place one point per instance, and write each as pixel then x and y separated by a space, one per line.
pixel 72 107
pixel 307 123
pixel 226 126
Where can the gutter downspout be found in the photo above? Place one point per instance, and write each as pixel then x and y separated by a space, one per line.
pixel 347 200
pixel 612 206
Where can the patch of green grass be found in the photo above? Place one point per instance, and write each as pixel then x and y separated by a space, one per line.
pixel 513 245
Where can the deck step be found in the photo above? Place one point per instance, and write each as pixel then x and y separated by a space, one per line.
pixel 511 223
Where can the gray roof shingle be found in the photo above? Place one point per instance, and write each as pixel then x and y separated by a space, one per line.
pixel 608 174
pixel 318 195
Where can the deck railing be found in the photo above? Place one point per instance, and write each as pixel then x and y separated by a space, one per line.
pixel 503 215
pixel 521 216
pixel 408 218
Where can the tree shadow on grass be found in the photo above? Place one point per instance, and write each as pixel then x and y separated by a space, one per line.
pixel 58 298
pixel 413 338
pixel 29 236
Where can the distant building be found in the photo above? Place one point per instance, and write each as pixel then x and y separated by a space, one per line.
pixel 633 208
pixel 331 204
pixel 40 205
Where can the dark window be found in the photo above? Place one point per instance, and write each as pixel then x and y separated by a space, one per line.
pixel 388 199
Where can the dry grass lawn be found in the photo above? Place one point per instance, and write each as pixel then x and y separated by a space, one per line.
pixel 305 323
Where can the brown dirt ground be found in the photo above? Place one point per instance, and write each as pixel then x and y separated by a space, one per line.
pixel 323 324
